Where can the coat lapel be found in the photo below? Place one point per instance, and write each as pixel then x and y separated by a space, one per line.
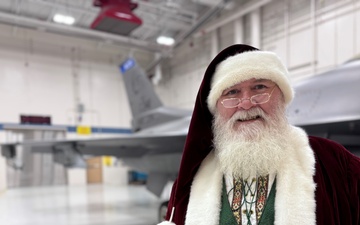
pixel 205 195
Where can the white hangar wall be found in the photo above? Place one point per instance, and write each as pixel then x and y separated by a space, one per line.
pixel 310 36
pixel 182 78
pixel 48 74
pixel 53 75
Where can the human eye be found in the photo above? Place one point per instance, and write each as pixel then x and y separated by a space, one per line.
pixel 260 87
pixel 231 92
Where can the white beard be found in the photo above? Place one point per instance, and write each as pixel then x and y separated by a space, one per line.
pixel 254 149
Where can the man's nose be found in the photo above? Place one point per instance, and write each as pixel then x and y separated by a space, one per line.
pixel 245 103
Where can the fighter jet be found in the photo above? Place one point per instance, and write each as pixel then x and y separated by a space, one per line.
pixel 154 147
pixel 328 105
pixel 325 105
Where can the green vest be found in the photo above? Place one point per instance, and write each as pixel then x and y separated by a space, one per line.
pixel 267 218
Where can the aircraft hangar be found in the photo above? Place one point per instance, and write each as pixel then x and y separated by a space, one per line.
pixel 97 95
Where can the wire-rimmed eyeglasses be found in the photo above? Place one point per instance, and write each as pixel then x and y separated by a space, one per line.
pixel 255 99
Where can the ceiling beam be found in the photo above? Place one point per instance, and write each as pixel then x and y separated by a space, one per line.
pixel 225 19
pixel 163 12
pixel 77 31
pixel 156 6
pixel 181 37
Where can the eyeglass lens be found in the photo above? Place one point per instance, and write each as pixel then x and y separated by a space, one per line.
pixel 256 99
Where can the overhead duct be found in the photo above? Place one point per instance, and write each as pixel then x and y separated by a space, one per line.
pixel 116 16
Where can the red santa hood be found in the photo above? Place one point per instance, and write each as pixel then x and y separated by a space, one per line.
pixel 199 139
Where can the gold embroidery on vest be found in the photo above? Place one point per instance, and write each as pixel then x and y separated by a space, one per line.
pixel 243 196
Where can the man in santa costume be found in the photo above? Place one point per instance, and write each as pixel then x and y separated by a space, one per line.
pixel 243 163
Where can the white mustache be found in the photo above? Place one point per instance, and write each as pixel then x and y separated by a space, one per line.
pixel 253 113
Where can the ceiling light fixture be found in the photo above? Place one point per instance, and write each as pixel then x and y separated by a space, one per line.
pixel 68 20
pixel 163 40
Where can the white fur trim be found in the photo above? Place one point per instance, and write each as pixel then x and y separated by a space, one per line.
pixel 295 188
pixel 166 223
pixel 170 220
pixel 245 66
pixel 205 195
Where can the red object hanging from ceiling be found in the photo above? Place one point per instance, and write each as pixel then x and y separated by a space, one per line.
pixel 116 16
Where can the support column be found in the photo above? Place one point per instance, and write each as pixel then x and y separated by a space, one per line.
pixel 314 35
pixel 158 71
pixel 256 28
pixel 239 31
pixel 3 179
pixel 214 43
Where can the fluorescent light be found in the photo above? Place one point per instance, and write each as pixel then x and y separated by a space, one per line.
pixel 123 15
pixel 162 40
pixel 68 20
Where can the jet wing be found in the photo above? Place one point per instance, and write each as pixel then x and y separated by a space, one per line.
pixel 134 146
pixel 123 146
pixel 327 105
pixel 157 155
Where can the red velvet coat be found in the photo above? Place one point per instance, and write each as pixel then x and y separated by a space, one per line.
pixel 337 174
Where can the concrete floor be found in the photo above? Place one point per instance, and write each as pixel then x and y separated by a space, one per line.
pixel 79 205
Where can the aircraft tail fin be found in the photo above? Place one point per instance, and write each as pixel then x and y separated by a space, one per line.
pixel 141 94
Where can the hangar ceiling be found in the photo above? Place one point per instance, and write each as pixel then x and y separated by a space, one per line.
pixel 174 18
